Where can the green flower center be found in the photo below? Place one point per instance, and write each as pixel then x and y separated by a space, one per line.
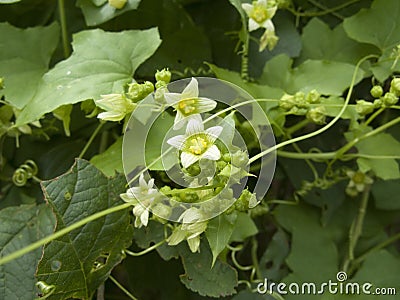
pixel 187 106
pixel 259 13
pixel 358 178
pixel 197 144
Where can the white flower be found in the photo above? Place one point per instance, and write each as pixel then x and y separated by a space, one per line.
pixel 260 15
pixel 188 103
pixel 190 230
pixel 116 107
pixel 197 143
pixel 141 209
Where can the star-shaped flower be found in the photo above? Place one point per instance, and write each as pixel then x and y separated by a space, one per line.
pixel 188 103
pixel 197 143
pixel 260 15
pixel 146 193
pixel 116 107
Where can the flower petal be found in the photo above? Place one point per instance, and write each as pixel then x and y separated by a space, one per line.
pixel 205 104
pixel 194 244
pixel 142 182
pixel 268 25
pixel 248 8
pixel 212 153
pixel 179 120
pixel 172 98
pixel 262 2
pixel 188 159
pixel 191 90
pixel 214 132
pixel 177 141
pixel 253 25
pixel 271 11
pixel 195 125
pixel 144 217
pixel 177 236
pixel 111 116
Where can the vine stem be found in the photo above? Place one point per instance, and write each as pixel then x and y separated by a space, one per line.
pixel 89 142
pixel 356 228
pixel 147 250
pixel 64 29
pixel 60 233
pixel 326 127
pixel 121 287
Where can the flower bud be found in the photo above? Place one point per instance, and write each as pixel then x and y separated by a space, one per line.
pixel 389 99
pixel 313 97
pixel 395 86
pixel 268 39
pixel 317 115
pixel 287 102
pixel 118 4
pixel 376 91
pixel 160 84
pixel 148 87
pixel 239 159
pixel 364 107
pixel 163 75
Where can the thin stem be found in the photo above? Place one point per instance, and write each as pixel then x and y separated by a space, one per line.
pixel 374 115
pixel 64 29
pixel 356 228
pixel 89 142
pixel 380 246
pixel 147 250
pixel 297 126
pixel 325 11
pixel 120 286
pixel 350 144
pixel 60 233
pixel 254 257
pixel 326 127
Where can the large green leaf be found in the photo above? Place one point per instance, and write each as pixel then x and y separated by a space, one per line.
pixel 102 63
pixel 380 144
pixel 78 262
pixel 21 226
pixel 102 11
pixel 244 228
pixel 334 79
pixel 218 281
pixel 321 42
pixel 25 56
pixel 218 233
pixel 379 25
pixel 386 194
pixel 110 161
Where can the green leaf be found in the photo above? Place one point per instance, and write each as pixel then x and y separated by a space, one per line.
pixel 333 105
pixel 273 260
pixel 313 254
pixel 78 262
pixel 110 161
pixel 102 63
pixel 100 12
pixel 8 1
pixel 199 277
pixel 154 142
pixel 21 226
pixel 321 42
pixel 25 57
pixel 218 233
pixel 383 168
pixel 244 228
pixel 379 25
pixel 386 194
pixel 335 78
pixel 255 90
